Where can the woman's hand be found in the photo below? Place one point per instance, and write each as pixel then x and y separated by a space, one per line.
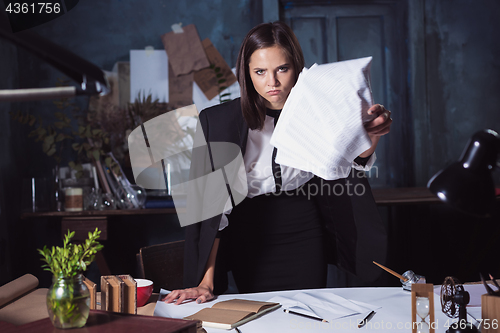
pixel 204 292
pixel 380 125
pixel 201 293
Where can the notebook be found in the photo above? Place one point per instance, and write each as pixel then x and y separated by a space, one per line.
pixel 232 313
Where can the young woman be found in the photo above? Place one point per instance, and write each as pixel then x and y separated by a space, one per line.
pixel 280 237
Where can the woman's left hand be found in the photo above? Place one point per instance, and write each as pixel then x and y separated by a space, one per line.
pixel 381 124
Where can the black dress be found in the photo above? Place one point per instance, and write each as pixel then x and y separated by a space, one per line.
pixel 276 242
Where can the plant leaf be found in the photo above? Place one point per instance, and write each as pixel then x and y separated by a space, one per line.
pixel 60 137
pixel 32 120
pixel 52 151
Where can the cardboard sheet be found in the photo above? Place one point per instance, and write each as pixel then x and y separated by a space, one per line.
pixel 206 78
pixel 180 93
pixel 185 51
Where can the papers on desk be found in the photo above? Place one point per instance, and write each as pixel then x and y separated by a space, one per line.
pixel 393 314
pixel 326 305
pixel 318 303
pixel 320 129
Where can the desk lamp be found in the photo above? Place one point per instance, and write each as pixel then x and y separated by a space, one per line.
pixel 467 184
pixel 91 78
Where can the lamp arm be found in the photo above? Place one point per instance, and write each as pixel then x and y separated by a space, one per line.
pixel 91 78
pixel 13 95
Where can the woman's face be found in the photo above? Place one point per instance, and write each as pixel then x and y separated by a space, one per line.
pixel 273 75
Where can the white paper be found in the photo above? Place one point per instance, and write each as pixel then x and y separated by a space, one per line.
pixel 320 129
pixel 326 305
pixel 149 74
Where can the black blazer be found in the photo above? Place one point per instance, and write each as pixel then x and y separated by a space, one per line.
pixel 356 235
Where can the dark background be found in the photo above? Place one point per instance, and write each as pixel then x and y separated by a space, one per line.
pixel 451 60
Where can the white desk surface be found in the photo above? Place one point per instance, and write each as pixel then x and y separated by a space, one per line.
pixel 393 316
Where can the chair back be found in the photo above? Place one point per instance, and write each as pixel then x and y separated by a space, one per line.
pixel 163 264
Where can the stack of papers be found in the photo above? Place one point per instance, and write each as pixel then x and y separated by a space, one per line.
pixel 327 305
pixel 320 129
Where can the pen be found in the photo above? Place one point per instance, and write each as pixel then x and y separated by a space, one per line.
pixel 304 315
pixel 365 320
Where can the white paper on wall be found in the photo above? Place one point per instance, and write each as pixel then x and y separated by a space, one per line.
pixel 149 74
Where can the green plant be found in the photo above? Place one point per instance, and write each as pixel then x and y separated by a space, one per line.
pixel 71 259
pixel 220 80
pixel 145 108
pixel 89 140
pixel 68 298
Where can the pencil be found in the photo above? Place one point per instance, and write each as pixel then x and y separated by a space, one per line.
pixel 365 320
pixel 391 271
pixel 304 315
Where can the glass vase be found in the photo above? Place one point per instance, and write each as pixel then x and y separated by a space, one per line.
pixel 131 197
pixel 68 302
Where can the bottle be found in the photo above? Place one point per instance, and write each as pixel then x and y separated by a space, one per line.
pixel 57 196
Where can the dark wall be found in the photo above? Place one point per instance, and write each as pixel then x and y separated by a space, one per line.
pixel 457 73
pixel 9 78
pixel 462 69
pixel 453 80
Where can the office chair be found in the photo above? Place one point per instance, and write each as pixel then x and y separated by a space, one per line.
pixel 163 264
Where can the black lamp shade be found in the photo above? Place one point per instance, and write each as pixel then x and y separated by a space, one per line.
pixel 468 184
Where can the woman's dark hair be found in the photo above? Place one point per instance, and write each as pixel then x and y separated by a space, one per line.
pixel 263 36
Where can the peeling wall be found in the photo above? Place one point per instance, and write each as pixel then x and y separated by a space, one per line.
pixel 462 53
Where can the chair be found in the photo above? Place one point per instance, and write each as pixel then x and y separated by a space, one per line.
pixel 163 264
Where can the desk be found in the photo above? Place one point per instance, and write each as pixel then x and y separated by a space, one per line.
pixel 393 316
pixel 101 213
pixel 404 196
pixel 108 322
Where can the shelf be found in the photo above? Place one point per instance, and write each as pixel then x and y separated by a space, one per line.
pixel 97 213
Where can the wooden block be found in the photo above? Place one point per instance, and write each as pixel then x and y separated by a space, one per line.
pixel 93 293
pixel 129 294
pixel 105 286
pixel 115 293
pixel 490 313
